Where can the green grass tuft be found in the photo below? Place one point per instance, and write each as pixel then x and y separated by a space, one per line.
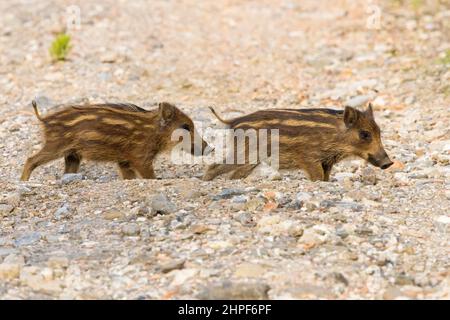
pixel 416 4
pixel 60 47
pixel 446 58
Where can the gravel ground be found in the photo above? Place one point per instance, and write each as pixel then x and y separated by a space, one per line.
pixel 367 234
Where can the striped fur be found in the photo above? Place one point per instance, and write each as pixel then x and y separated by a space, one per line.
pixel 312 140
pixel 121 133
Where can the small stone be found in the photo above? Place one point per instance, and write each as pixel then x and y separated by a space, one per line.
pixel 396 166
pixel 249 270
pixel 15 259
pixel 392 293
pixel 306 291
pixel 254 204
pixel 217 245
pixel 200 229
pixel 369 176
pixel 12 199
pixel 311 238
pixel 56 262
pixel 239 199
pixel 443 219
pixel 5 209
pixel 270 206
pixel 171 265
pixel 27 239
pixel 7 251
pixel 342 204
pixel 63 212
pixel 113 214
pixel 130 230
pixel 108 57
pixel 181 276
pixel 9 271
pixel 403 279
pixel 71 177
pixel 339 277
pixel 161 205
pixel 228 193
pixel 228 290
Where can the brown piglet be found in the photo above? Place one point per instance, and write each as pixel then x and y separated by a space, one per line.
pixel 312 140
pixel 122 133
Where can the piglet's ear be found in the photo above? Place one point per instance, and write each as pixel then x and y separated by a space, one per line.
pixel 369 111
pixel 350 116
pixel 166 111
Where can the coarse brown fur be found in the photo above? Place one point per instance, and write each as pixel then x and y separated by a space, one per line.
pixel 121 133
pixel 312 140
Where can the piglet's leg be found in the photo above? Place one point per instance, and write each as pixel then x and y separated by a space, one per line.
pixel 46 154
pixel 72 162
pixel 326 171
pixel 144 169
pixel 126 170
pixel 315 172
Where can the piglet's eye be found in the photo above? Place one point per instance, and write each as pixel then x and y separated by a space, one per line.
pixel 186 127
pixel 364 135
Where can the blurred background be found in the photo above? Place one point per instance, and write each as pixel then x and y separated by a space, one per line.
pixel 230 52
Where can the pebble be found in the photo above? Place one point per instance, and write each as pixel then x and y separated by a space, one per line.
pixel 9 271
pixel 181 276
pixel 161 205
pixel 71 177
pixel 228 290
pixel 27 239
pixel 172 265
pixel 130 229
pixel 392 293
pixel 63 212
pixel 6 209
pixel 239 199
pixel 56 262
pixel 249 270
pixel 228 193
pixel 113 214
pixel 311 238
pixel 200 228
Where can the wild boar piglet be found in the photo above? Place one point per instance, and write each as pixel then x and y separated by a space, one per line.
pixel 312 140
pixel 121 133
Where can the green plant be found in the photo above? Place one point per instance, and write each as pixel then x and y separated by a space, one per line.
pixel 60 47
pixel 446 58
pixel 416 4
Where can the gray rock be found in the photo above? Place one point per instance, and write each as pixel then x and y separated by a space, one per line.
pixel 403 280
pixel 7 251
pixel 301 198
pixel 161 205
pixel 6 209
pixel 228 290
pixel 27 239
pixel 342 204
pixel 245 219
pixel 63 212
pixel 228 193
pixel 131 229
pixel 71 177
pixel 239 199
pixel 171 265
